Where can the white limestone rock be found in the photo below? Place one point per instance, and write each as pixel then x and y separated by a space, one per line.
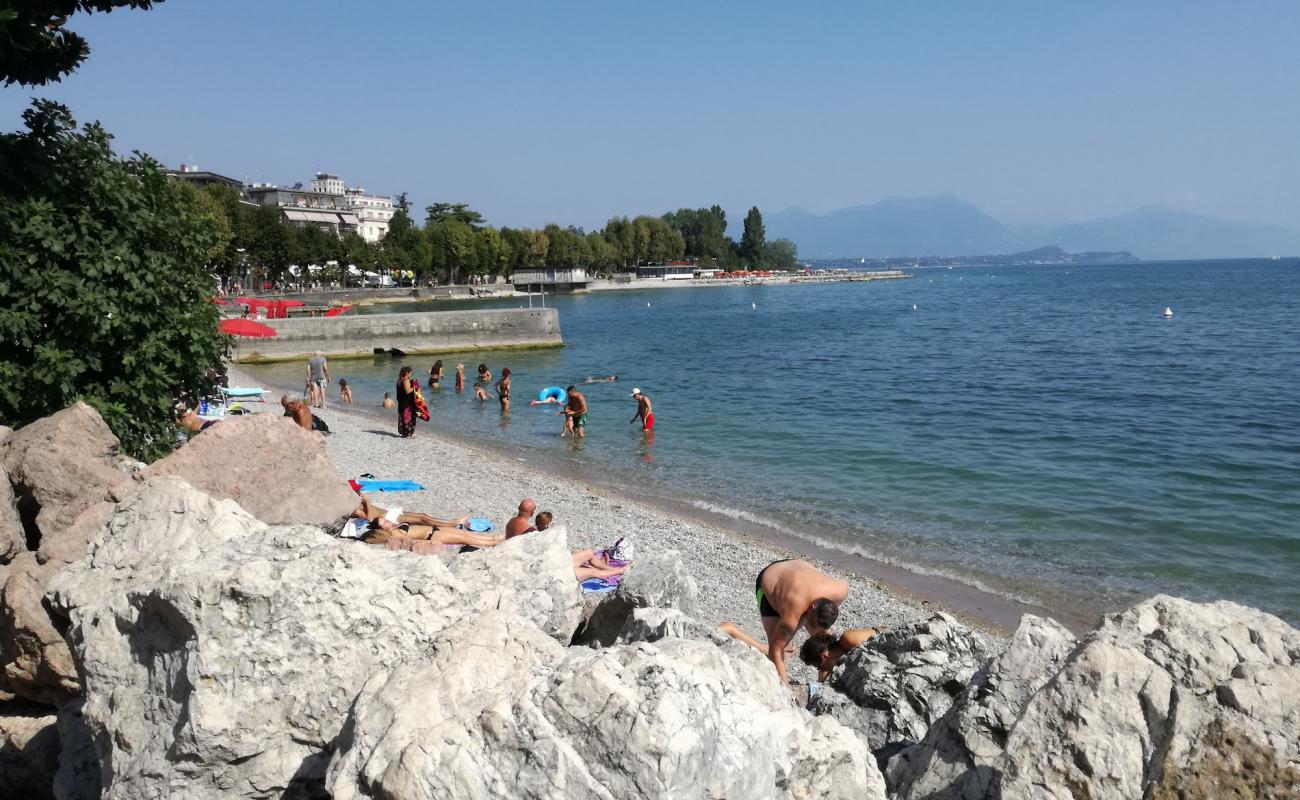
pixel 892 687
pixel 653 581
pixel 961 756
pixel 677 718
pixel 1168 699
pixel 219 655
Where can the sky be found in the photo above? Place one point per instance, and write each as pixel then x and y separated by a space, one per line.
pixel 573 112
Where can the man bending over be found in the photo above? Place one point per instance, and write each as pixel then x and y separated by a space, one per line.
pixel 792 594
pixel 823 651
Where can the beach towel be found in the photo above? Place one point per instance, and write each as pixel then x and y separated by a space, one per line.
pixel 478 525
pixel 242 391
pixel 421 410
pixel 598 585
pixel 423 547
pixel 354 529
pixel 374 485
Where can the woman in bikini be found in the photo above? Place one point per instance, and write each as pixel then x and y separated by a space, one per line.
pixel 503 390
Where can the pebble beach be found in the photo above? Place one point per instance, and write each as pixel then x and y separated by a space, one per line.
pixel 463 480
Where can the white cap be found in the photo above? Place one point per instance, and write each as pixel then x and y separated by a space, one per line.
pixel 636 392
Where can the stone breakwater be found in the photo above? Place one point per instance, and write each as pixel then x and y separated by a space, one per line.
pixel 414 332
pixel 175 641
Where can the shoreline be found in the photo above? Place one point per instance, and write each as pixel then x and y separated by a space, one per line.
pixel 472 477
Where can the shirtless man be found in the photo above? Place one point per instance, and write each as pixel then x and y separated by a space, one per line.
pixel 792 594
pixel 576 410
pixel 522 522
pixel 298 410
pixel 823 651
pixel 644 411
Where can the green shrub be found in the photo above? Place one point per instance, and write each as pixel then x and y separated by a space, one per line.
pixel 104 292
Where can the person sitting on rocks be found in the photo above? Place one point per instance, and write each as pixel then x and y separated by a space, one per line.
pixel 543 520
pixel 521 522
pixel 824 650
pixel 298 410
pixel 792 594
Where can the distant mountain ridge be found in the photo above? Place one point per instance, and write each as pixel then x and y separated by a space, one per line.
pixel 946 225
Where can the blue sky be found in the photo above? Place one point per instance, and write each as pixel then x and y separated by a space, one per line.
pixel 572 112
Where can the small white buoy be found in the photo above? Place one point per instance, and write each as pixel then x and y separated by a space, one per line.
pixel 647 305
pixel 1169 312
pixel 914 306
pixel 754 306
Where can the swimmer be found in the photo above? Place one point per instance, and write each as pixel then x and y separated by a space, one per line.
pixel 599 379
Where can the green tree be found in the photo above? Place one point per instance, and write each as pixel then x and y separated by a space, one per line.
pixel 780 254
pixel 104 296
pixel 37 48
pixel 448 212
pixel 753 239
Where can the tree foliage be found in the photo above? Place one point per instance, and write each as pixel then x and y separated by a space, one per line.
pixel 35 48
pixel 754 238
pixel 104 293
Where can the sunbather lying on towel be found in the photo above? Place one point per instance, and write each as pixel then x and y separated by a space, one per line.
pixel 588 564
pixel 372 513
pixel 384 529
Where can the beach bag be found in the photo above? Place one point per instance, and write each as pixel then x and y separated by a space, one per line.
pixel 620 550
pixel 421 410
pixel 318 424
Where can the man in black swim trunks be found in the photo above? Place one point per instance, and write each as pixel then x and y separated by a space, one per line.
pixel 792 594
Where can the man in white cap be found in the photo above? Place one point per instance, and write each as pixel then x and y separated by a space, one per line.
pixel 644 411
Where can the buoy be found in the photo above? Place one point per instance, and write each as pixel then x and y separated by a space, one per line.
pixel 647 305
pixel 914 306
pixel 754 306
pixel 1169 312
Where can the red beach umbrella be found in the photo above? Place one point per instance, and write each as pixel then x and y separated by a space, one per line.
pixel 252 302
pixel 247 327
pixel 334 312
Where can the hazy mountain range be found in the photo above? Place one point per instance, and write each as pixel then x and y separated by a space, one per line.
pixel 944 225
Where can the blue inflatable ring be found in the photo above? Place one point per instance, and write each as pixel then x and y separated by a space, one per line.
pixel 553 391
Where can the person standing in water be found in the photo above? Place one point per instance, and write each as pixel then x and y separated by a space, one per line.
pixel 435 374
pixel 460 378
pixel 576 410
pixel 406 403
pixel 644 411
pixel 484 376
pixel 318 374
pixel 503 390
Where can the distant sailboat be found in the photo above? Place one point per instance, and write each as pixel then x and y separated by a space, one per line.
pixel 1169 312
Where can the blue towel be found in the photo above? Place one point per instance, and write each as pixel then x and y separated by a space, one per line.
pixel 242 391
pixel 597 586
pixel 478 525
pixel 368 485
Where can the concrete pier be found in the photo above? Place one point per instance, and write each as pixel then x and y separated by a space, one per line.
pixel 416 333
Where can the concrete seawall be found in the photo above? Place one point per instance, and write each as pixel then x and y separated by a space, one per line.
pixel 419 332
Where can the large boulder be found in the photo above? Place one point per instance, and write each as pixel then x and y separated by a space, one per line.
pixel 551 597
pixel 13 539
pixel 219 655
pixel 894 685
pixel 63 470
pixel 962 756
pixel 1169 699
pixel 29 751
pixel 273 468
pixel 653 581
pixel 677 718
pixel 35 662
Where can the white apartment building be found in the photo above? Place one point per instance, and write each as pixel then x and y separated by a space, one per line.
pixel 372 212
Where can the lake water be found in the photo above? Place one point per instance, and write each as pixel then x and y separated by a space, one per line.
pixel 1042 432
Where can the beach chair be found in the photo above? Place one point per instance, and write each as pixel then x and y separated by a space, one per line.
pixel 229 393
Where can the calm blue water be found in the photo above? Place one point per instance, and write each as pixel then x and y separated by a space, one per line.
pixel 1039 431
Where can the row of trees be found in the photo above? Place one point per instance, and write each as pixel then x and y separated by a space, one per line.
pixel 455 243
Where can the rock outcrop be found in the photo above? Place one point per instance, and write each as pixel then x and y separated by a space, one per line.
pixel 658 581
pixel 64 475
pixel 13 539
pixel 678 718
pixel 962 756
pixel 891 688
pixel 219 655
pixel 274 469
pixel 35 662
pixel 1169 699
pixel 29 751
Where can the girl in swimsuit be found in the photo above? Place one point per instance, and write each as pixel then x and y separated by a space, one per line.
pixel 435 374
pixel 503 389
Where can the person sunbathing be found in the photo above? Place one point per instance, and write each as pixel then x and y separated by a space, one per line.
pixel 589 564
pixel 384 529
pixel 372 513
pixel 191 422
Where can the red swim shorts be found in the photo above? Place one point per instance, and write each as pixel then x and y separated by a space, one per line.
pixel 649 422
